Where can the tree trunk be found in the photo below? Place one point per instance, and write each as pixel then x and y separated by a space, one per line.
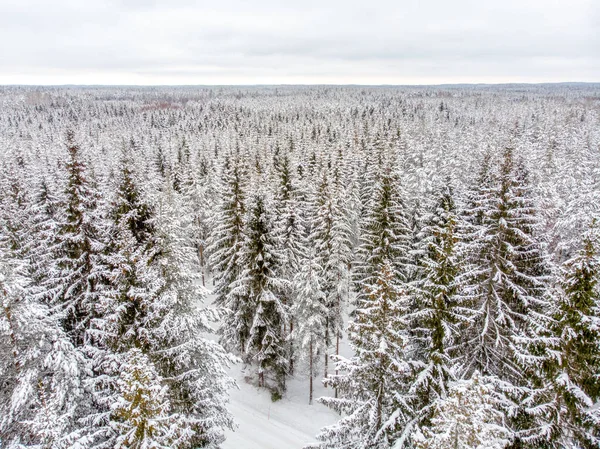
pixel 311 374
pixel 337 353
pixel 337 334
pixel 326 347
pixel 292 348
pixel 201 256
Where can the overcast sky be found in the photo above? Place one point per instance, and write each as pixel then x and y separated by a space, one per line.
pixel 298 42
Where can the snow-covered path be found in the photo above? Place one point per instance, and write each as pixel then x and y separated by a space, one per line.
pixel 257 431
pixel 286 424
pixel 290 423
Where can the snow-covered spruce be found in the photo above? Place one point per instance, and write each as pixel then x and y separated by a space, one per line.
pixel 376 407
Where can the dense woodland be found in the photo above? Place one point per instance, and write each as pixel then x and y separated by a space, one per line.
pixel 150 237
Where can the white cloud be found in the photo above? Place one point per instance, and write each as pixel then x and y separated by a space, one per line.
pixel 242 42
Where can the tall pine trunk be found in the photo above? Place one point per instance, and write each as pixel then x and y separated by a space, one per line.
pixel 311 374
pixel 292 348
pixel 326 346
pixel 337 353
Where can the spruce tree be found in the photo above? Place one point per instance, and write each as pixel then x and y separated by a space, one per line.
pixel 260 318
pixel 141 407
pixel 506 286
pixel 227 236
pixel 329 233
pixel 289 219
pixel 153 306
pixel 386 233
pixel 179 331
pixel 310 314
pixel 15 212
pixel 573 363
pixel 290 228
pixel 376 407
pixel 200 195
pixel 439 316
pixel 43 210
pixel 74 278
pixel 42 374
pixel 508 277
pixel 469 417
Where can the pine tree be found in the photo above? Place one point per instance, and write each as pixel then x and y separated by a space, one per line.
pixel 258 317
pixel 572 389
pixel 439 315
pixel 74 278
pixel 469 417
pixel 509 276
pixel 42 374
pixel 227 236
pixel 310 313
pixel 377 409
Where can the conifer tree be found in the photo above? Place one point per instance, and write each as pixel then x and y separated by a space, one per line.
pixel 330 236
pixel 386 234
pixel 227 236
pixel 337 272
pixel 290 229
pixel 506 287
pixel 43 210
pixel 259 322
pixel 14 217
pixel 310 313
pixel 439 315
pixel 75 275
pixel 200 195
pixel 469 417
pixel 42 374
pixel 193 365
pixel 142 408
pixel 509 275
pixel 154 306
pixel 573 361
pixel 289 219
pixel 377 410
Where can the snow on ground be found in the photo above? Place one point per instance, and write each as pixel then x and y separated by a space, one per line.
pixel 289 423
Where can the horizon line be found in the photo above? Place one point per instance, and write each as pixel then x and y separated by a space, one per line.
pixel 516 83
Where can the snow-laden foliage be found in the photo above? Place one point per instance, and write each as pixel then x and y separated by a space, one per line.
pixel 42 373
pixel 374 400
pixel 508 273
pixel 570 398
pixel 426 224
pixel 440 313
pixel 310 314
pixel 468 417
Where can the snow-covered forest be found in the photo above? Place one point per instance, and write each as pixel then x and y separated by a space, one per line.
pixel 152 239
